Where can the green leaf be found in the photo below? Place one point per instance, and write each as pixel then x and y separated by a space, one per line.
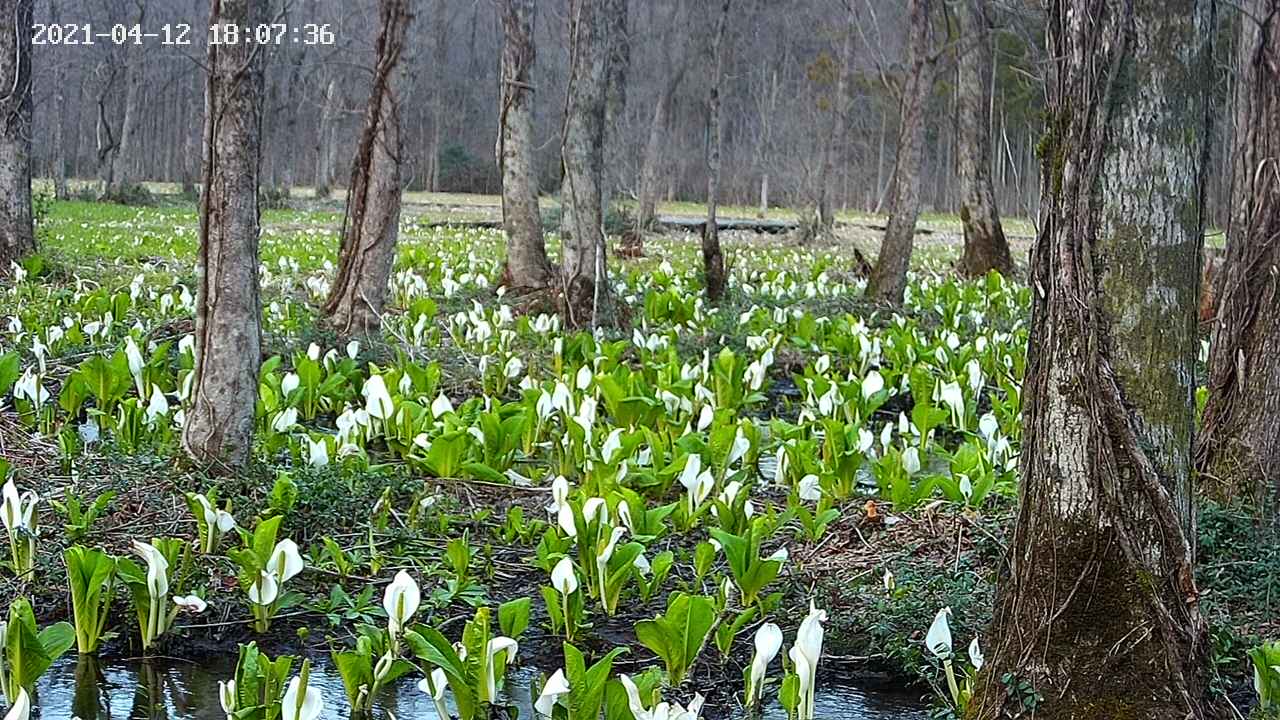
pixel 513 617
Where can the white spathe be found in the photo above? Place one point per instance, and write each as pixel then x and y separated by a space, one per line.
pixel 309 707
pixel 401 600
pixel 564 578
pixel 21 709
pixel 556 686
pixel 768 642
pixel 938 639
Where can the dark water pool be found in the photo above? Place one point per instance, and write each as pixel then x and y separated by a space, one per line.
pixel 172 690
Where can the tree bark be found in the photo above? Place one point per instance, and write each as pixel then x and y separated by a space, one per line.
pixel 1238 451
pixel 985 246
pixel 712 256
pixel 121 167
pixel 823 215
pixel 652 163
pixel 584 275
pixel 372 223
pixel 17 228
pixel 325 141
pixel 889 277
pixel 58 151
pixel 617 18
pixel 527 263
pixel 1099 611
pixel 219 424
pixel 440 56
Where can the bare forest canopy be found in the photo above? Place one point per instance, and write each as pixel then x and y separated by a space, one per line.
pixel 122 113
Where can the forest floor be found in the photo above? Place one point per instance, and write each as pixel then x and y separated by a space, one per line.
pixel 940 554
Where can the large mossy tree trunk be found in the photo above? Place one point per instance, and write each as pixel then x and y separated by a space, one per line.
pixel 1238 451
pixel 372 223
pixel 985 246
pixel 17 229
pixel 584 274
pixel 1098 611
pixel 713 273
pixel 889 276
pixel 219 423
pixel 527 263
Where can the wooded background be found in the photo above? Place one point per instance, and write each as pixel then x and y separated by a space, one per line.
pixel 802 77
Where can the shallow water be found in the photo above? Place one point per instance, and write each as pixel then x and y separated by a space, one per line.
pixel 174 690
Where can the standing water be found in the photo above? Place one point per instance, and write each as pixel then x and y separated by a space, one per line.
pixel 165 690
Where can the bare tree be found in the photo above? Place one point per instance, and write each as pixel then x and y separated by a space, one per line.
pixel 527 263
pixel 889 277
pixel 372 222
pixel 17 231
pixel 118 161
pixel 228 333
pixel 832 72
pixel 1238 452
pixel 985 247
pixel 440 56
pixel 58 152
pixel 712 256
pixel 652 161
pixel 1100 596
pixel 584 273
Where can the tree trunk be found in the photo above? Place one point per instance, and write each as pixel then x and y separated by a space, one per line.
pixel 125 173
pixel 985 247
pixel 617 13
pixel 825 219
pixel 324 141
pixel 651 167
pixel 527 263
pixel 1239 450
pixel 372 222
pixel 224 390
pixel 17 230
pixel 440 56
pixel 1098 611
pixel 712 257
pixel 583 267
pixel 58 151
pixel 889 278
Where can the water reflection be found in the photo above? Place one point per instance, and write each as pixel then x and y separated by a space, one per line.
pixel 175 690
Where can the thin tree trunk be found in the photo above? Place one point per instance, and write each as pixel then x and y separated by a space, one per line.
pixel 59 149
pixel 527 263
pixel 440 56
pixel 889 277
pixel 764 194
pixel 324 141
pixel 123 172
pixel 1098 611
pixel 189 145
pixel 985 247
pixel 654 160
pixel 712 256
pixel 1239 450
pixel 826 218
pixel 651 167
pixel 583 264
pixel 617 14
pixel 17 230
pixel 126 172
pixel 372 223
pixel 219 423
